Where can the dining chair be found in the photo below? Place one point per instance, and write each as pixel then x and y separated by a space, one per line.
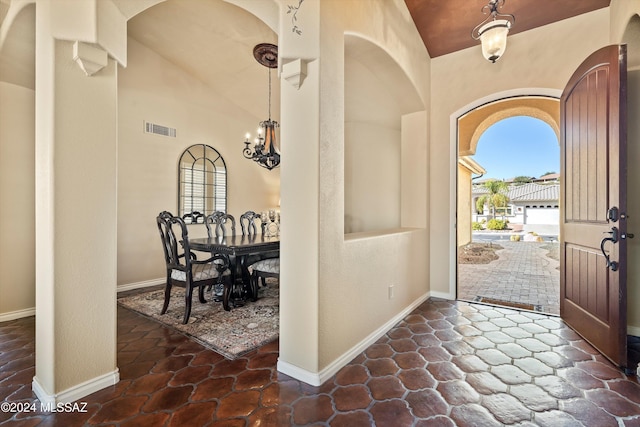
pixel 248 223
pixel 218 222
pixel 192 217
pixel 258 268
pixel 184 269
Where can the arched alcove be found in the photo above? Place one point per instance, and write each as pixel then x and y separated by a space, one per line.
pixel 377 95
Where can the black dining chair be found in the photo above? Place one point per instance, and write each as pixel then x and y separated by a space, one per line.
pixel 192 217
pixel 183 268
pixel 258 269
pixel 218 222
pixel 221 224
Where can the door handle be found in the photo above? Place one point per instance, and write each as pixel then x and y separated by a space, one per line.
pixel 613 239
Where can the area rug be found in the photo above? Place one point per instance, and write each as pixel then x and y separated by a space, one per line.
pixel 230 333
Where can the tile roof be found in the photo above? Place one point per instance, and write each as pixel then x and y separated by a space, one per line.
pixel 527 192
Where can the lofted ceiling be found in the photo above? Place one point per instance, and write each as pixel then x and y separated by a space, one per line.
pixel 445 25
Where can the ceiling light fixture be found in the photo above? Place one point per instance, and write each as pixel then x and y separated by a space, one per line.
pixel 492 32
pixel 265 151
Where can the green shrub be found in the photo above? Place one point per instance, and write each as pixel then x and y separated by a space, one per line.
pixel 496 224
pixel 476 226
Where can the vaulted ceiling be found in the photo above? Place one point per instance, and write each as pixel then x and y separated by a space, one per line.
pixel 445 25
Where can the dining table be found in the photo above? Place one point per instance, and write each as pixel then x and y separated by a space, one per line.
pixel 238 248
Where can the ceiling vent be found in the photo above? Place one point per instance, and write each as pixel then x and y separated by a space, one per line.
pixel 159 130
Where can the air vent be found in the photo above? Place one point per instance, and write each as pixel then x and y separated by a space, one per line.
pixel 159 129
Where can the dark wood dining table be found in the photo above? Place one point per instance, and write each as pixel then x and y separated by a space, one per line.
pixel 238 248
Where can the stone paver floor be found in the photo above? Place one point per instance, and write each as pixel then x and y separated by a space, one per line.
pixel 524 273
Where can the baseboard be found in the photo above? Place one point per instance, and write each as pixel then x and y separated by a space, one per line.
pixel 18 314
pixel 442 295
pixel 77 392
pixel 139 285
pixel 316 379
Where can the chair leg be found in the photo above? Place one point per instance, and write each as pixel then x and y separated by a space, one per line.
pixel 254 286
pixel 201 295
pixel 167 295
pixel 188 294
pixel 226 294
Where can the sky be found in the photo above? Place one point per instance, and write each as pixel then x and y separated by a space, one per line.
pixel 518 146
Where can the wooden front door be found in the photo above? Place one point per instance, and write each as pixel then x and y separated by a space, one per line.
pixel 593 294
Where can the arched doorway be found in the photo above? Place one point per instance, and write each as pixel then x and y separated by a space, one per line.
pixel 494 263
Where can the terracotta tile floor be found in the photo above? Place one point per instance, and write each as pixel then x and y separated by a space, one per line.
pixel 448 363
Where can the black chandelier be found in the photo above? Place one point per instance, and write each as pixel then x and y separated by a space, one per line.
pixel 492 32
pixel 265 151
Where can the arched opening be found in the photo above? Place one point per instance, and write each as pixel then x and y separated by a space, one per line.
pixel 508 196
pixel 377 95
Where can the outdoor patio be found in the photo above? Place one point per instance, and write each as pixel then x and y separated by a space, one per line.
pixel 525 273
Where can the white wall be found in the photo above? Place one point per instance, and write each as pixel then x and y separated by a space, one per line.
pixel 152 89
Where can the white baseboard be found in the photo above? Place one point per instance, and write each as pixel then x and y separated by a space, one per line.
pixel 18 314
pixel 143 284
pixel 77 392
pixel 316 379
pixel 442 295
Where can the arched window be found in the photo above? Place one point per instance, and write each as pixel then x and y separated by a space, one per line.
pixel 202 183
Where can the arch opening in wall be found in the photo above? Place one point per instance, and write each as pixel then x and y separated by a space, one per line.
pixel 378 94
pixel 531 209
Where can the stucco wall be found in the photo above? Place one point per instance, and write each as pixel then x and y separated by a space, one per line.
pixel 355 273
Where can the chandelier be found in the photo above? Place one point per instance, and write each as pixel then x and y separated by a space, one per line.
pixel 265 150
pixel 492 32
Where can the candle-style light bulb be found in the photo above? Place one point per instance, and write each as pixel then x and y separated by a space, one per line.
pixel 247 136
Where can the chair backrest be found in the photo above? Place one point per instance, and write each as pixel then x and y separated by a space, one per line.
pixel 192 217
pixel 218 224
pixel 248 223
pixel 174 248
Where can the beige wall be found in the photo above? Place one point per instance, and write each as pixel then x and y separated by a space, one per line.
pixel 17 181
pixel 347 278
pixel 152 89
pixel 539 61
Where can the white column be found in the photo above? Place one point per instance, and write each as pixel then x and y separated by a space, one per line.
pixel 76 146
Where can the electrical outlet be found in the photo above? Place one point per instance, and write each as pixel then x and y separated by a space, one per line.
pixel 391 295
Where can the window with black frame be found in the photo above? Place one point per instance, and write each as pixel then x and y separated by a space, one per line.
pixel 202 183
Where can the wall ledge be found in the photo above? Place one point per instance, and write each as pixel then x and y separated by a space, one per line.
pixel 381 233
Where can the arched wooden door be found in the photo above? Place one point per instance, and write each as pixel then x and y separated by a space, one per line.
pixel 593 293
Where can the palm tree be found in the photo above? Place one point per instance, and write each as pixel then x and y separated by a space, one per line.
pixel 495 198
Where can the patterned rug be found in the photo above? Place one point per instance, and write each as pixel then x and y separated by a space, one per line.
pixel 230 333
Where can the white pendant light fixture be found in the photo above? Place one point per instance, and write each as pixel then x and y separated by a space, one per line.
pixel 493 31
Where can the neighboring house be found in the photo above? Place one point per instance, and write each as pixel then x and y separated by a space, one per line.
pixel 534 206
pixel 467 167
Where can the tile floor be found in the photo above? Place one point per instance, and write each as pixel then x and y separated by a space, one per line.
pixel 448 363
